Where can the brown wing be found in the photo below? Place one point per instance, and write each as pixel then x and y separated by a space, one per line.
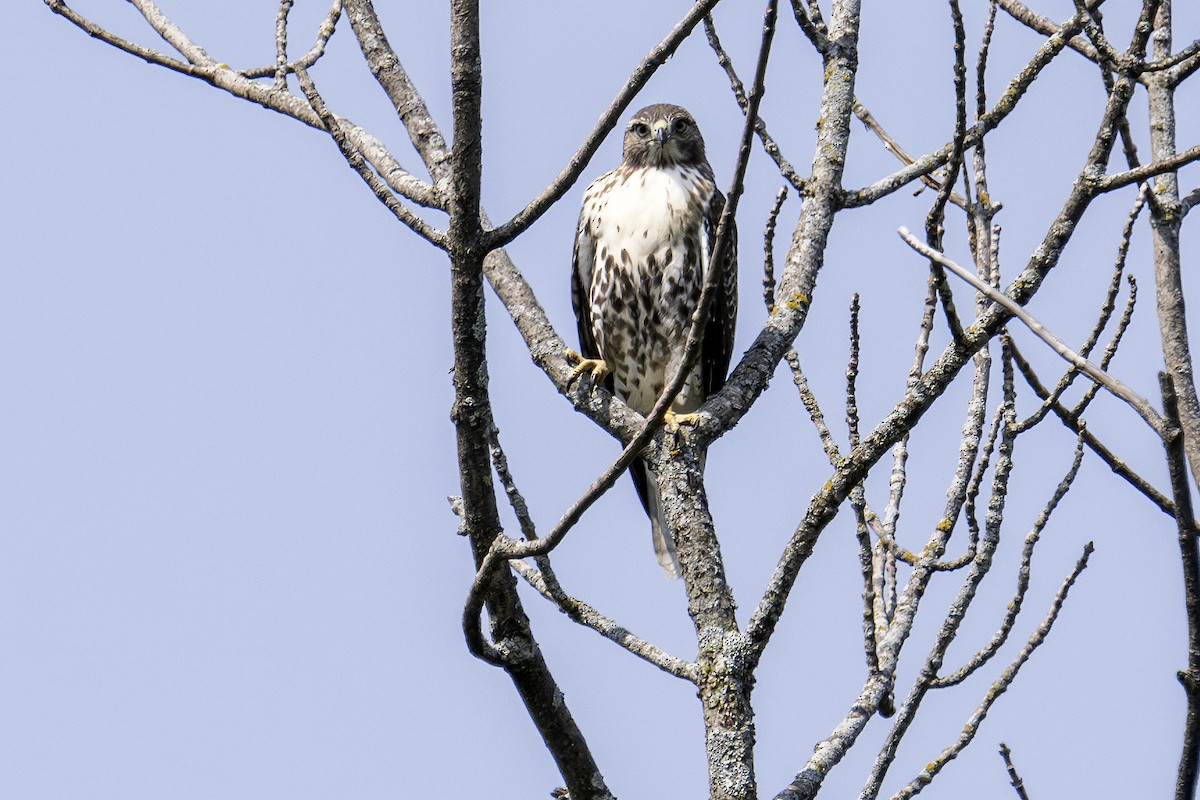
pixel 582 260
pixel 717 348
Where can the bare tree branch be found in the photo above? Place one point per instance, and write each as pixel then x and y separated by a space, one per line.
pixel 359 164
pixel 515 650
pixel 1189 552
pixel 1045 26
pixel 814 30
pixel 589 617
pixel 1163 165
pixel 1007 103
pixel 1078 427
pixel 280 70
pixel 1017 784
pixel 825 503
pixel 1014 606
pixel 223 77
pixel 1187 203
pixel 769 249
pixel 892 146
pixel 145 53
pixel 1106 311
pixel 1135 401
pixel 385 66
pixel 913 592
pixel 739 93
pixel 998 687
pixel 281 19
pixel 858 501
pixel 935 219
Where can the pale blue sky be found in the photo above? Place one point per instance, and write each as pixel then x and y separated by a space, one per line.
pixel 227 566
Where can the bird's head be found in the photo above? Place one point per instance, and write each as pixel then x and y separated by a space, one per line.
pixel 663 135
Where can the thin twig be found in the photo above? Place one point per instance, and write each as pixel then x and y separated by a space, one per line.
pixel 589 617
pixel 515 499
pixel 982 234
pixel 147 54
pixel 1189 552
pixel 1106 311
pixel 1008 101
pixel 935 219
pixel 1110 350
pixel 814 29
pixel 1015 779
pixel 1135 401
pixel 1000 685
pixel 980 566
pixel 903 156
pixel 769 249
pixel 971 501
pixel 898 479
pixel 543 580
pixel 832 452
pixel 1079 427
pixel 1118 179
pixel 1014 606
pixel 852 376
pixel 739 94
pixel 281 32
pixel 314 54
pixel 858 502
pixel 359 164
pixel 885 532
pixel 220 76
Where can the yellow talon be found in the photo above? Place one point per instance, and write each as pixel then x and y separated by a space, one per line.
pixel 595 366
pixel 674 420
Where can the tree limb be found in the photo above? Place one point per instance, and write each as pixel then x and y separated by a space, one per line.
pixel 583 614
pixel 999 686
pixel 1189 552
pixel 1139 404
pixel 359 164
pixel 1015 779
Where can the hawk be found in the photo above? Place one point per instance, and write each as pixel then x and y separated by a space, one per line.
pixel 643 245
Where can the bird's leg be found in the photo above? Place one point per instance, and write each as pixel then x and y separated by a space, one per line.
pixel 676 421
pixel 597 367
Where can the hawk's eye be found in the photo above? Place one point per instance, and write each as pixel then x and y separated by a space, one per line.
pixel 680 126
pixel 640 128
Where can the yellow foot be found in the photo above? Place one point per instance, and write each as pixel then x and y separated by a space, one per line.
pixel 674 420
pixel 594 366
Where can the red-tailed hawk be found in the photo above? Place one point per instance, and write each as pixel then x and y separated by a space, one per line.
pixel 643 244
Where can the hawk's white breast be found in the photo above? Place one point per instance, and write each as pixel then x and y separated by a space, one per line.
pixel 644 235
pixel 647 210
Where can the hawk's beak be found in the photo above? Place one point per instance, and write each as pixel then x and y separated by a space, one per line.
pixel 660 131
